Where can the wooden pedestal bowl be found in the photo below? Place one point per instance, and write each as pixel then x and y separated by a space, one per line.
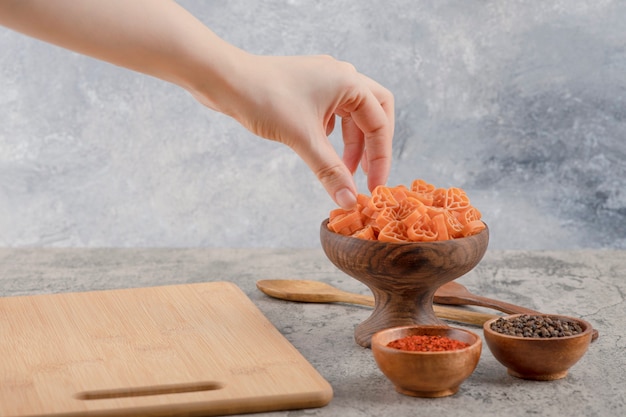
pixel 402 276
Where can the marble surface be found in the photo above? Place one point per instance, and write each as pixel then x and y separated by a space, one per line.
pixel 590 284
pixel 523 104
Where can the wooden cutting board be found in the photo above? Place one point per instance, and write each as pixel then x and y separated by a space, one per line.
pixel 184 349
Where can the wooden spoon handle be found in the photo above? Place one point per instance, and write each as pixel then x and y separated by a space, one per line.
pixel 478 300
pixel 504 306
pixel 352 298
pixel 340 296
pixel 462 316
pixel 450 313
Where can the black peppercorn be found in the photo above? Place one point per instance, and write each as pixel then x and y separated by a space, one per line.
pixel 535 326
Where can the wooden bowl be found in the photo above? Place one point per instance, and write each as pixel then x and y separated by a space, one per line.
pixel 402 276
pixel 426 374
pixel 538 358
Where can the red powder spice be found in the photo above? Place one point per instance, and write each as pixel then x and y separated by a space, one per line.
pixel 419 343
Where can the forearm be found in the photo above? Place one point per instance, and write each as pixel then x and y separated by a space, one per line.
pixel 155 37
pixel 292 100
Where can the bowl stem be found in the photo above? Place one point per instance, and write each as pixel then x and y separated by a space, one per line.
pixel 393 309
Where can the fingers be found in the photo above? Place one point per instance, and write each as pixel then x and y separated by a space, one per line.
pixel 353 142
pixel 305 96
pixel 330 170
pixel 368 130
pixel 339 184
pixel 367 112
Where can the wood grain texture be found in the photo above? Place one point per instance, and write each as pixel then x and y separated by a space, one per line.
pixel 454 293
pixel 185 349
pixel 427 374
pixel 402 276
pixel 535 358
pixel 320 292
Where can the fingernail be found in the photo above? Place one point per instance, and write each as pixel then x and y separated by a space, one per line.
pixel 345 198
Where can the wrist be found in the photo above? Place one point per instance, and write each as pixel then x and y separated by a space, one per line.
pixel 216 76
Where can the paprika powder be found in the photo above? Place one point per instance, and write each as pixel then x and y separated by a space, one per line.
pixel 425 343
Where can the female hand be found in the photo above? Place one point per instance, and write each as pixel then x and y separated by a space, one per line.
pixel 294 100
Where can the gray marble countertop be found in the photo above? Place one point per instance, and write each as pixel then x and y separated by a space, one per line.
pixel 589 284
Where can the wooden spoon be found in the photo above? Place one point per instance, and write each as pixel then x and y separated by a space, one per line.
pixel 320 292
pixel 453 293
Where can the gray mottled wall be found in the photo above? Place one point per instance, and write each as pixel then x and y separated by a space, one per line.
pixel 523 104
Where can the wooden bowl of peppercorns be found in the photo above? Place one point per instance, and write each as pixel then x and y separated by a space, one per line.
pixel 426 361
pixel 539 347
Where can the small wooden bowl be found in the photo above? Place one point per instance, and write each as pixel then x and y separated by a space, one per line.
pixel 402 276
pixel 426 374
pixel 538 358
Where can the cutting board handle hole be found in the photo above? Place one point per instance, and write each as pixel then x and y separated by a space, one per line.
pixel 147 391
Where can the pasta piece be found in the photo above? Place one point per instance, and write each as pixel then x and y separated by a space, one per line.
pixel 382 197
pixel 423 191
pixel 368 211
pixel 336 213
pixel 422 187
pixel 414 217
pixel 467 215
pixel 422 231
pixel 387 215
pixel 456 199
pixel 347 223
pixel 362 200
pixel 408 206
pixel 394 231
pixel 410 210
pixel 366 233
pixel 440 227
pixel 455 228
pixel 399 193
pixel 427 199
pixel 473 227
pixel 433 211
pixel 439 197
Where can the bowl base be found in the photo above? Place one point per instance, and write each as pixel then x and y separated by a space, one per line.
pixel 428 394
pixel 535 377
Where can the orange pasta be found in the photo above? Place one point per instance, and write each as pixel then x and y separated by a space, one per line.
pixel 347 223
pixel 440 226
pixel 408 207
pixel 394 231
pixel 421 213
pixel 473 227
pixel 366 233
pixel 382 197
pixel 385 216
pixel 467 215
pixel 422 231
